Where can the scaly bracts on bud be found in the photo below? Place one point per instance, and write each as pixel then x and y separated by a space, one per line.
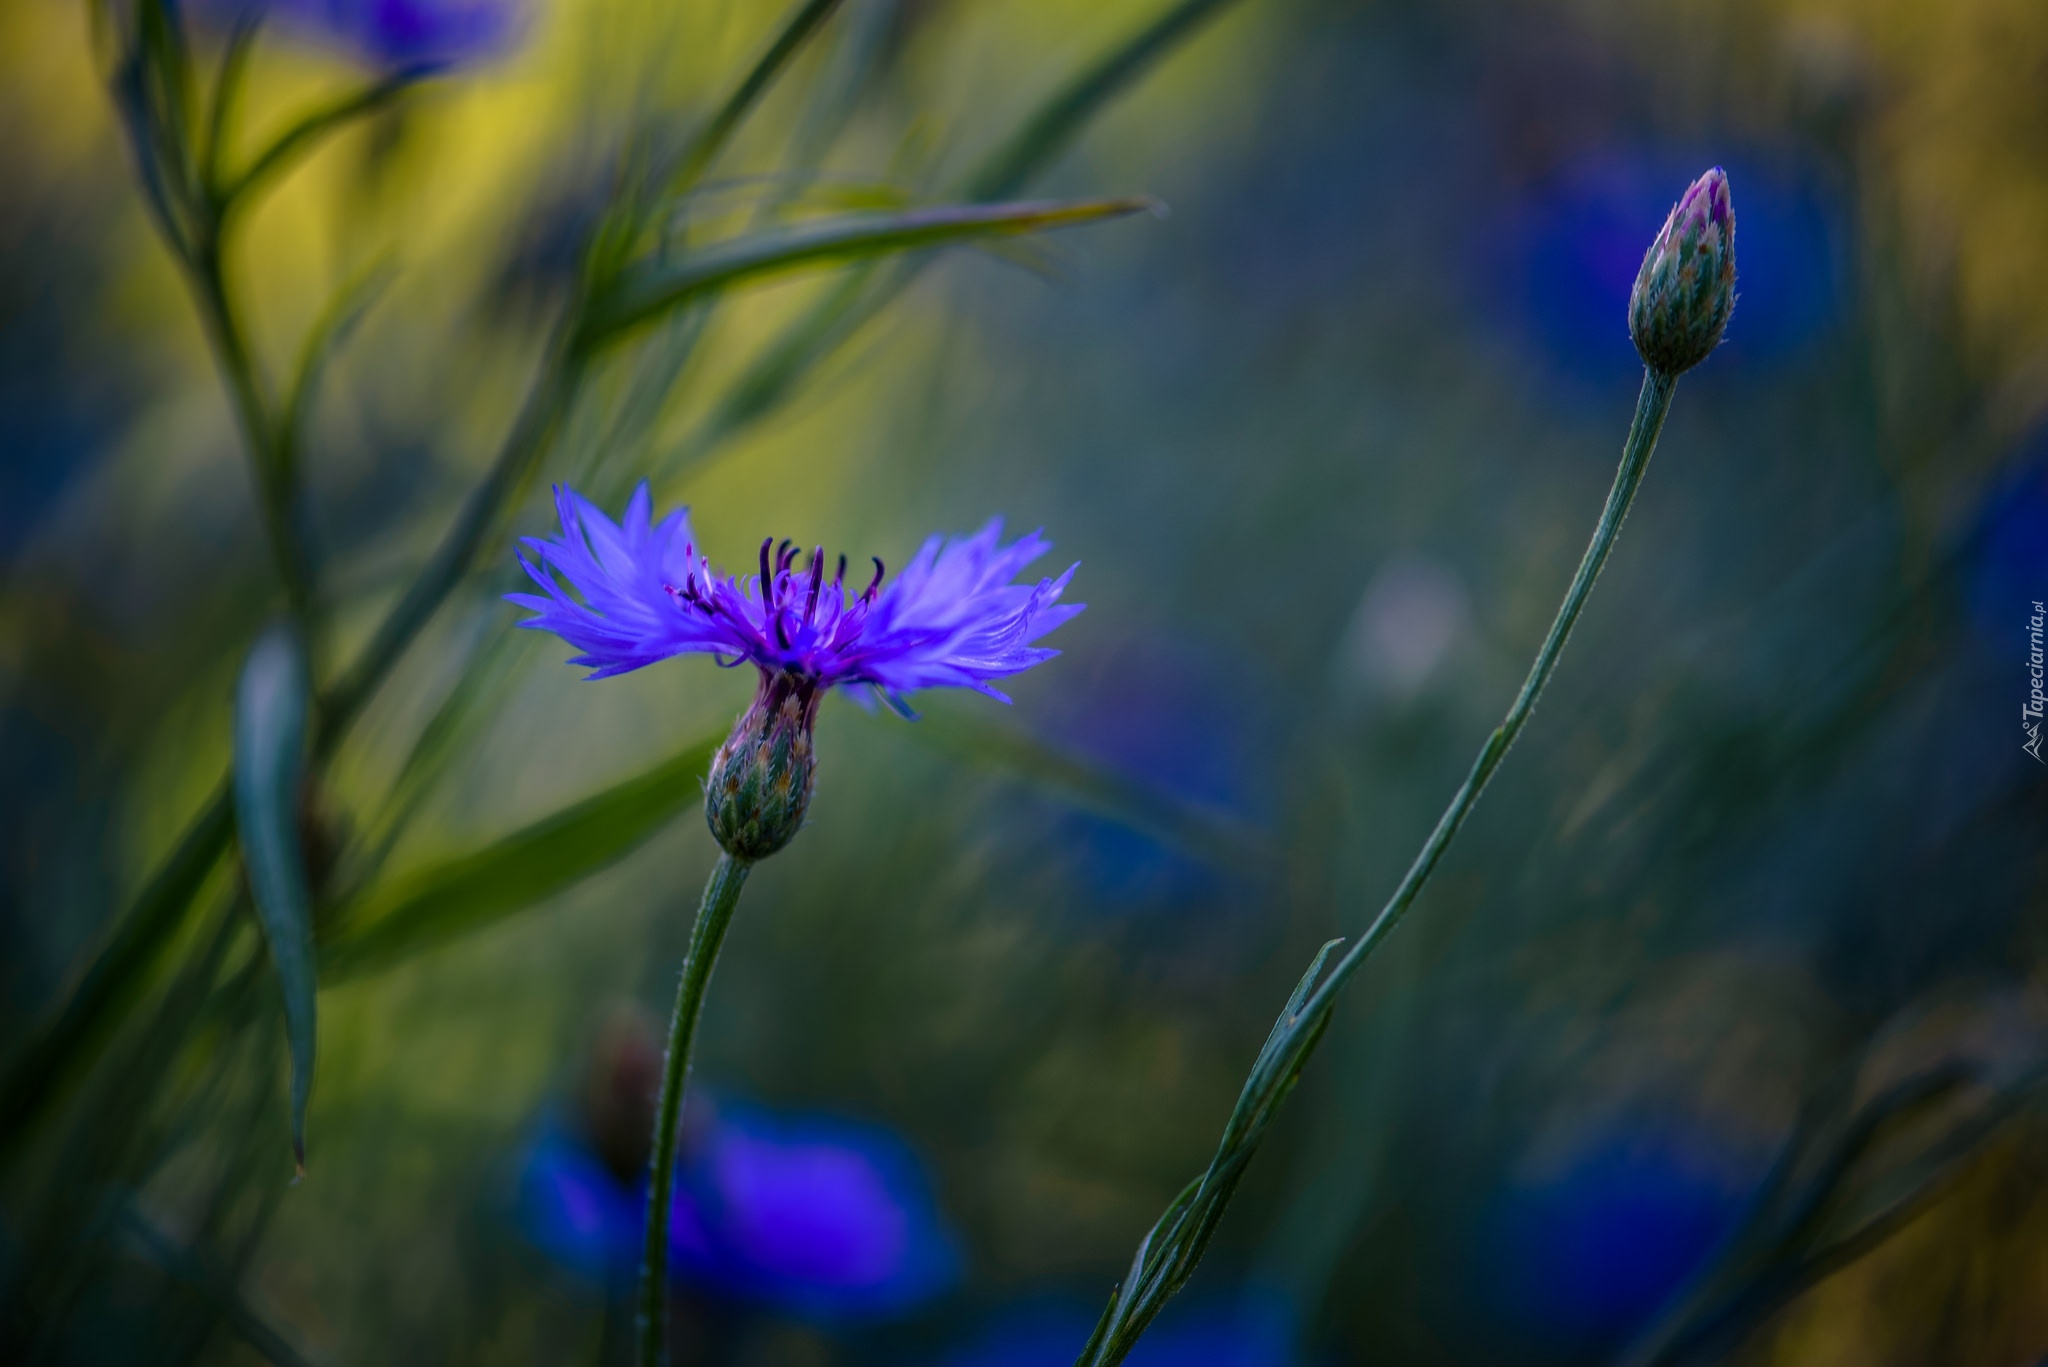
pixel 761 779
pixel 1686 287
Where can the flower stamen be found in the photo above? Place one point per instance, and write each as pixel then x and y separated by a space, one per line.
pixel 771 595
pixel 817 582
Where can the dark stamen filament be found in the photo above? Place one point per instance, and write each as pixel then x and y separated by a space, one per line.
pixel 817 580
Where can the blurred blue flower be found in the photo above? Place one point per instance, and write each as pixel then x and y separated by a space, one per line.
pixel 1244 1331
pixel 818 1218
pixel 1592 1247
pixel 1167 715
pixel 2007 565
pixel 393 33
pixel 1565 259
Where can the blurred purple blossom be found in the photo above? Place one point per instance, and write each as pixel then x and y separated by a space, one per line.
pixel 2008 562
pixel 394 33
pixel 1587 1249
pixel 818 1218
pixel 951 618
pixel 1182 719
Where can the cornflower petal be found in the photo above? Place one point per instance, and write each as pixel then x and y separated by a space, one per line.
pixel 952 618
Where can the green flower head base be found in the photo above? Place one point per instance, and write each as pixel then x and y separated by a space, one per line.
pixel 1686 288
pixel 762 777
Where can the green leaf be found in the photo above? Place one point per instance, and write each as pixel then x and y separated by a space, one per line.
pixel 482 888
pixel 1206 833
pixel 643 291
pixel 271 703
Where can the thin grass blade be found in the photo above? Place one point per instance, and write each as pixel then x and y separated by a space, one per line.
pixel 789 40
pixel 1053 127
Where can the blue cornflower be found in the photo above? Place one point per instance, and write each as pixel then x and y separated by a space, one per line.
pixel 643 592
pixel 818 1218
pixel 951 619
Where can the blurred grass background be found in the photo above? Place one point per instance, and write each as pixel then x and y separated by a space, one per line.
pixel 1327 440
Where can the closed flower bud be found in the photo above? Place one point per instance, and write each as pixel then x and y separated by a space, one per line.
pixel 1686 288
pixel 762 777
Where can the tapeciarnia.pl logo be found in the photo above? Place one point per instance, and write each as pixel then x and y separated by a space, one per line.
pixel 2030 715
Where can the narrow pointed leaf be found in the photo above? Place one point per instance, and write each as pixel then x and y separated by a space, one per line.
pixel 271 704
pixel 480 889
pixel 1284 1026
pixel 644 291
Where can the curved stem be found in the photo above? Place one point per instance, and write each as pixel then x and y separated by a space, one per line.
pixel 1168 1255
pixel 721 895
pixel 1652 404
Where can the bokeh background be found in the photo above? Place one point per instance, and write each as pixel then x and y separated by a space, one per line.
pixel 1327 439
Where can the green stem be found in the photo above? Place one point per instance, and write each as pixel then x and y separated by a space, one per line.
pixel 1169 1253
pixel 721 895
pixel 1651 405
